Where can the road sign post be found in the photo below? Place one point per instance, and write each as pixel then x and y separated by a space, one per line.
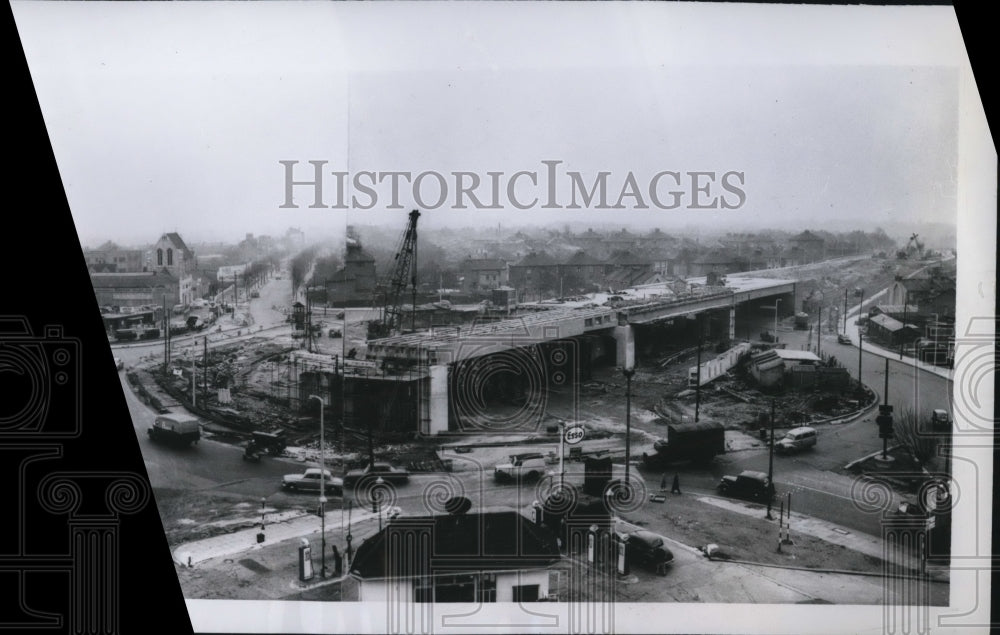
pixel 572 435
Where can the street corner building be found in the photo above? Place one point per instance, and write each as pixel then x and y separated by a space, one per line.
pixel 491 556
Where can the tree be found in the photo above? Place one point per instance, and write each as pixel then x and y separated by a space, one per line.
pixel 921 444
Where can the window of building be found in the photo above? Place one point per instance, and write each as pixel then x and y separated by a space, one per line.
pixel 487 591
pixel 455 588
pixel 525 592
pixel 170 256
pixel 159 257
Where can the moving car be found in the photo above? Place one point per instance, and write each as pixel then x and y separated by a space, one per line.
pixel 388 473
pixel 648 549
pixel 530 466
pixel 748 484
pixel 310 480
pixel 796 439
pixel 844 338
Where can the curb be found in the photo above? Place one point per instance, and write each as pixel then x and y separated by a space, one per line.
pixel 868 456
pixel 916 577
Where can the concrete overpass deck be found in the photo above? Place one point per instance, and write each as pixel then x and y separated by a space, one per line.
pixel 642 305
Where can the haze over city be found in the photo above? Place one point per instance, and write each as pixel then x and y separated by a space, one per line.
pixel 181 125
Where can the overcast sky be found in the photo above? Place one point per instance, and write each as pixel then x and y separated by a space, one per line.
pixel 174 117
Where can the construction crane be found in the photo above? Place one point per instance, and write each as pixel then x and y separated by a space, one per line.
pixel 389 293
pixel 913 246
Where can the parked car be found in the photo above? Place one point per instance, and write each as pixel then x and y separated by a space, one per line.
pixel 389 473
pixel 310 480
pixel 119 363
pixel 796 439
pixel 844 338
pixel 648 549
pixel 940 420
pixel 748 484
pixel 529 466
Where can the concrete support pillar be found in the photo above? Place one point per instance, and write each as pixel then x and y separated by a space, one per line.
pixel 624 346
pixel 732 324
pixel 438 399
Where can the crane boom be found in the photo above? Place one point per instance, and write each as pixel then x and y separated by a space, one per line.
pixel 391 289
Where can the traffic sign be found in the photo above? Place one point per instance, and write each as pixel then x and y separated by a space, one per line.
pixel 574 434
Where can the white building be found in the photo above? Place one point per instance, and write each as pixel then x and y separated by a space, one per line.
pixel 496 556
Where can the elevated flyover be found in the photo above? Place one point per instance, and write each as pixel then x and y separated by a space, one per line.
pixel 441 354
pixel 643 305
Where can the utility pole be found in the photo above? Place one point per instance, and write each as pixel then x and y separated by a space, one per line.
pixel 861 338
pixel 845 310
pixel 204 370
pixel 860 349
pixel 902 331
pixel 697 381
pixel 819 330
pixel 884 418
pixel 309 328
pixel 166 330
pixel 322 489
pixel 776 302
pixel 371 446
pixel 628 372
pixel 770 464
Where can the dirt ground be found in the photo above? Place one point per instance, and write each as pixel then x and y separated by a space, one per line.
pixel 189 516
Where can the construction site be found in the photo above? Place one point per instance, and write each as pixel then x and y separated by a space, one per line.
pixel 397 388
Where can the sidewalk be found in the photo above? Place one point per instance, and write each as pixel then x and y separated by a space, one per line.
pixel 235 566
pixel 830 532
pixel 303 526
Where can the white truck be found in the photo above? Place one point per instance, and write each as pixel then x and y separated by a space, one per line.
pixel 175 428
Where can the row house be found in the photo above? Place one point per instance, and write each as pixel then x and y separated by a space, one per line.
pixel 110 258
pixel 812 246
pixel 934 295
pixel 484 274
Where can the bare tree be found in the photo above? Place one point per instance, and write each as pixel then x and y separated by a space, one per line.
pixel 919 443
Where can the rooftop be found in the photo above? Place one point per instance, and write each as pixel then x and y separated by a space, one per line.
pixel 490 540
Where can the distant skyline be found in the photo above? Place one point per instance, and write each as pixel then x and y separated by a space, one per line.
pixel 174 118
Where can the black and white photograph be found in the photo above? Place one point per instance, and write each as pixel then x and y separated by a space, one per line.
pixel 532 317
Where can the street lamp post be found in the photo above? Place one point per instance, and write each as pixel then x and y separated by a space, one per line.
pixel 628 372
pixel 322 490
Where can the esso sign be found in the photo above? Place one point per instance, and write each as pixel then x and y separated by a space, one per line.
pixel 574 435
